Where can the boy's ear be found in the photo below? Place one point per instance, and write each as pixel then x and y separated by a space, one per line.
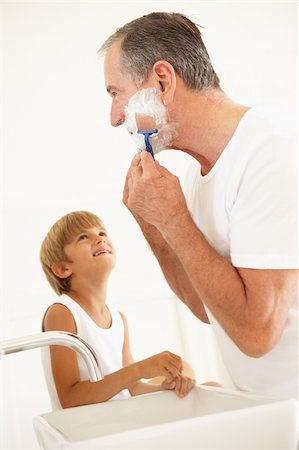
pixel 61 270
pixel 165 76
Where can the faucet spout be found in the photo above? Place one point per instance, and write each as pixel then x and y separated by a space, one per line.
pixel 46 338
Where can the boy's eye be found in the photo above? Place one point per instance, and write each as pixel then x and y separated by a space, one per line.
pixel 82 236
pixel 102 233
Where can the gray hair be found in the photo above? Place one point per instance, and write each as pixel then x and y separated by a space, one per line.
pixel 170 37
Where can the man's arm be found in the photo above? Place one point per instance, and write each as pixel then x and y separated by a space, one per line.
pixel 173 270
pixel 251 305
pixel 171 266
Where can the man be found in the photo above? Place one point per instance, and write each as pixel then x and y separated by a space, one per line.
pixel 228 247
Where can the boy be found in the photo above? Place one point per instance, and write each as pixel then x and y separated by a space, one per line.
pixel 77 257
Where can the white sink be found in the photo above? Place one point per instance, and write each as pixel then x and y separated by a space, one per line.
pixel 207 419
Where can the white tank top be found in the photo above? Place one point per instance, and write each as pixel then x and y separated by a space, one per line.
pixel 106 343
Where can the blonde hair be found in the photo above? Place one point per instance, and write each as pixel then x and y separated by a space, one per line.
pixel 62 233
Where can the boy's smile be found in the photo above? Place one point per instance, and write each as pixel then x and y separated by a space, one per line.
pixel 102 251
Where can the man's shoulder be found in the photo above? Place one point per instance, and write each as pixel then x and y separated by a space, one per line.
pixel 274 122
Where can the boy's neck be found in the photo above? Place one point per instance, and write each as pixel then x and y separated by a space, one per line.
pixel 94 304
pixel 89 297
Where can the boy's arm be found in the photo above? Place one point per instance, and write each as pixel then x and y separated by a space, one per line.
pixel 182 384
pixel 139 387
pixel 74 392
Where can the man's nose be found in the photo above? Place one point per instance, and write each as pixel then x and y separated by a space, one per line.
pixel 117 117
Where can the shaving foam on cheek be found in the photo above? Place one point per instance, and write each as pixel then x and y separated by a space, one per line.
pixel 143 106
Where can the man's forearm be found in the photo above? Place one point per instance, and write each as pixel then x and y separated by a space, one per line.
pixel 173 270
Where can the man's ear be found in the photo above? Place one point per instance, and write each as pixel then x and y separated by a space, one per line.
pixel 61 270
pixel 165 76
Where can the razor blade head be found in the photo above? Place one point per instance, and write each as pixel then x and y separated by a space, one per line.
pixel 147 134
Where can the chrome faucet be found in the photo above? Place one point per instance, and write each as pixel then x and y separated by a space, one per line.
pixel 46 338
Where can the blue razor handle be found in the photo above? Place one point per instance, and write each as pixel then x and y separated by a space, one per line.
pixel 147 134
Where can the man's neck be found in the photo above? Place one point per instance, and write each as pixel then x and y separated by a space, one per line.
pixel 207 122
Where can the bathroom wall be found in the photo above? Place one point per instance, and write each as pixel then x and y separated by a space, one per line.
pixel 59 153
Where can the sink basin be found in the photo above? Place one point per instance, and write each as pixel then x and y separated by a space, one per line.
pixel 208 418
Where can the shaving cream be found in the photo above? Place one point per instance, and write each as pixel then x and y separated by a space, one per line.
pixel 147 103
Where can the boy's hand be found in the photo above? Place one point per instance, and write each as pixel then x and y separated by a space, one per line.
pixel 165 364
pixel 181 385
